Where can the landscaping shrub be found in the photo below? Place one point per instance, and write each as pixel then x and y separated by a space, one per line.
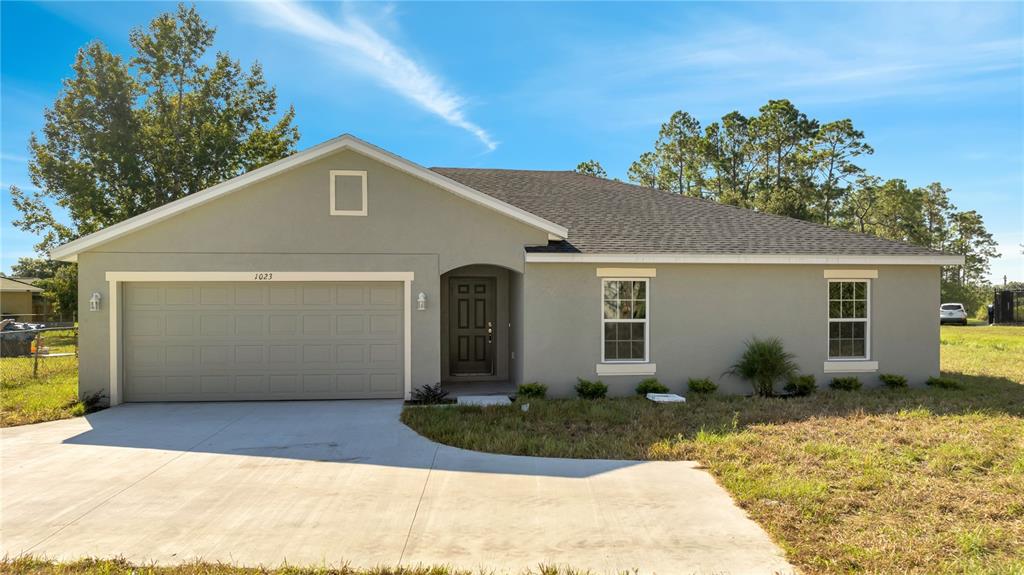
pixel 702 386
pixel 892 380
pixel 845 383
pixel 651 385
pixel 429 394
pixel 801 385
pixel 591 389
pixel 532 390
pixel 943 382
pixel 764 362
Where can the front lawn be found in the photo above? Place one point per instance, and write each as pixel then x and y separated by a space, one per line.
pixel 918 480
pixel 51 395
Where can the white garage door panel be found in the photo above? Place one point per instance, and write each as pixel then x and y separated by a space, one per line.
pixel 249 341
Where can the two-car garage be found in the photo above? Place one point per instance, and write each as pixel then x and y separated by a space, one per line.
pixel 262 340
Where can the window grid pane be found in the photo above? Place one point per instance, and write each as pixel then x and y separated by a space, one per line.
pixel 848 300
pixel 625 314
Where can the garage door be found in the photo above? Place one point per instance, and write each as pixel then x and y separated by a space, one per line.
pixel 248 341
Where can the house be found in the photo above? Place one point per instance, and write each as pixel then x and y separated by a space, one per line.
pixel 345 271
pixel 22 301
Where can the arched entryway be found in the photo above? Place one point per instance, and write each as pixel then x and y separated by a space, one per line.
pixel 480 313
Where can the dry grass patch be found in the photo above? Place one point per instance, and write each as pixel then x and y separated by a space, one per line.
pixel 877 481
pixel 36 566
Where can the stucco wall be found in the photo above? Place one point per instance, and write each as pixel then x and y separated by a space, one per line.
pixel 17 303
pixel 283 224
pixel 702 314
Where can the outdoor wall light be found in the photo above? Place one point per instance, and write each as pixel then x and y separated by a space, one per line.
pixel 421 302
pixel 94 301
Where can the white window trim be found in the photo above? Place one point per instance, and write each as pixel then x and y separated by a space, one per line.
pixel 116 278
pixel 867 327
pixel 647 325
pixel 349 173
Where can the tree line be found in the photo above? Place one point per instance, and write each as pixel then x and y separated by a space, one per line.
pixel 780 161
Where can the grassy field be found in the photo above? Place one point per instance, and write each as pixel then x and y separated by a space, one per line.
pixel 52 395
pixel 879 481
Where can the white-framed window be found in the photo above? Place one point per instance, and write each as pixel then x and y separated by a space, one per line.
pixel 849 319
pixel 348 193
pixel 625 325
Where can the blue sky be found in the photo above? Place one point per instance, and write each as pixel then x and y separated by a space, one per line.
pixel 938 89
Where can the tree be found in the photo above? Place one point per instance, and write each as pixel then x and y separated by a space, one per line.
pixel 680 151
pixel 124 138
pixel 62 289
pixel 968 236
pixel 36 268
pixel 831 153
pixel 644 171
pixel 779 135
pixel 591 168
pixel 727 146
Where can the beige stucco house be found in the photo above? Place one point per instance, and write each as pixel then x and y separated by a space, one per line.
pixel 21 301
pixel 345 271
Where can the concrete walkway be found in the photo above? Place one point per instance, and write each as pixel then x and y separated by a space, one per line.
pixel 334 482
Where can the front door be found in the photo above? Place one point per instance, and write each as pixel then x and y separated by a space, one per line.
pixel 471 328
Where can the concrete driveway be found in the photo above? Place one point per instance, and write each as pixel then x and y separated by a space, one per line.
pixel 334 482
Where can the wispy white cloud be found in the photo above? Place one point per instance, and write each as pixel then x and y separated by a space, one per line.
pixel 5 157
pixel 380 58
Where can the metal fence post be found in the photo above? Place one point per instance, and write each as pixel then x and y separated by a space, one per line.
pixel 35 362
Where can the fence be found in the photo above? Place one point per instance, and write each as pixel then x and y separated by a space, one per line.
pixel 45 349
pixel 1008 306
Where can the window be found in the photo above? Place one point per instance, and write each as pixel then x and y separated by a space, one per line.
pixel 624 320
pixel 348 193
pixel 848 319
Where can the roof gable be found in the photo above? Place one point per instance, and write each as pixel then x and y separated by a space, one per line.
pixel 70 251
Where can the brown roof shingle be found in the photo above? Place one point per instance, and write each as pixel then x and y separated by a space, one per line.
pixel 607 216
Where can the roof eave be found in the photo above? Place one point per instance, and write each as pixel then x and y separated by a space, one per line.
pixel 679 258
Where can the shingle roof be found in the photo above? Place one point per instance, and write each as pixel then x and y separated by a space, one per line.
pixel 607 216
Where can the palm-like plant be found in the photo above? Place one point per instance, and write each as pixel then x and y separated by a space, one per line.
pixel 764 362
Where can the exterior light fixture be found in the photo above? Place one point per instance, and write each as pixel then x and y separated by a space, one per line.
pixel 94 301
pixel 421 302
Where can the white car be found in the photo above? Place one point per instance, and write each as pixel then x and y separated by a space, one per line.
pixel 953 313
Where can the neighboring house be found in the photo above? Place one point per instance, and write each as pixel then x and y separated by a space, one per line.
pixel 345 271
pixel 22 301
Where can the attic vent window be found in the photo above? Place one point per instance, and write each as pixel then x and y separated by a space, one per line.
pixel 348 193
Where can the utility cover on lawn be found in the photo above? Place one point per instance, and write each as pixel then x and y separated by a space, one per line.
pixel 484 400
pixel 666 398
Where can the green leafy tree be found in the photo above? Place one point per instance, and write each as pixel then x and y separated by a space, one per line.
pixel 831 153
pixel 728 149
pixel 968 236
pixel 780 135
pixel 644 171
pixel 125 137
pixel 591 168
pixel 62 289
pixel 680 149
pixel 35 268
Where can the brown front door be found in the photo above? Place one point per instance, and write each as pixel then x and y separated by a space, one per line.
pixel 471 329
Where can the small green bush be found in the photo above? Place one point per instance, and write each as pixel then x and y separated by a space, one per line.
pixel 943 382
pixel 703 385
pixel 764 361
pixel 591 389
pixel 801 385
pixel 892 380
pixel 532 390
pixel 845 383
pixel 429 394
pixel 651 385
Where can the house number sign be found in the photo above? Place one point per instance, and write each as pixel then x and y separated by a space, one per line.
pixel 263 276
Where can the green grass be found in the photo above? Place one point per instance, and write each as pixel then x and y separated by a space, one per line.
pixel 876 481
pixel 51 395
pixel 35 566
